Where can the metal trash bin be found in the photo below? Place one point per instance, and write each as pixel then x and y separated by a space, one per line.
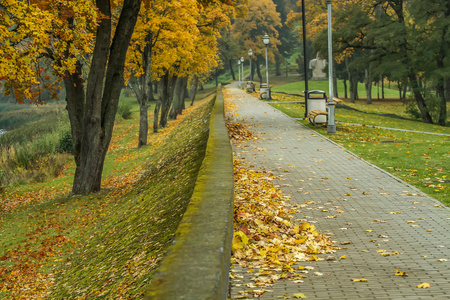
pixel 317 100
pixel 250 86
pixel 263 90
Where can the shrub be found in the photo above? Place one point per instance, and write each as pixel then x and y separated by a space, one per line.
pixel 433 105
pixel 411 108
pixel 124 110
pixel 65 144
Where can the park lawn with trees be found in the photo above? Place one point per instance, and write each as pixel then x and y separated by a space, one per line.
pixel 95 245
pixel 417 158
pixel 299 87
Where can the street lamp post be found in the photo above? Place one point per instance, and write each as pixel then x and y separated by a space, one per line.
pixel 266 41
pixel 250 53
pixel 242 65
pixel 239 68
pixel 305 58
pixel 331 128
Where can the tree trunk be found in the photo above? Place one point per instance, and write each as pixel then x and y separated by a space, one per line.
pixel 258 71
pixel 335 87
pixel 443 104
pixel 164 92
pixel 353 79
pixel 193 89
pixel 92 123
pixel 156 116
pixel 405 88
pixel 145 90
pixel 165 106
pixel 155 87
pixel 441 82
pixel 447 89
pixel 143 124
pixel 368 84
pixel 426 117
pixel 230 64
pixel 278 60
pixel 411 73
pixel 151 92
pixel 345 89
pixel 177 98
pixel 382 87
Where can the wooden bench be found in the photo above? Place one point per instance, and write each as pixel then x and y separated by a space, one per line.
pixel 250 87
pixel 317 112
pixel 314 113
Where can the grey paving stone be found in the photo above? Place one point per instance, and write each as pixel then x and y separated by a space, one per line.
pixel 319 170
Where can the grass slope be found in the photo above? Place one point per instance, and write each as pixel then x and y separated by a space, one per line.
pixel 108 244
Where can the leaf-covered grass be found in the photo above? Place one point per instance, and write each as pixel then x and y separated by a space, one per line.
pixel 299 87
pixel 419 159
pixel 108 244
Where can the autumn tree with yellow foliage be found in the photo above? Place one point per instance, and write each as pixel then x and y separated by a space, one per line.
pixel 84 43
pixel 74 38
pixel 262 18
pixel 174 41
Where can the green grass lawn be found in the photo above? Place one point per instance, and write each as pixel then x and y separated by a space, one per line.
pixel 422 160
pixel 299 87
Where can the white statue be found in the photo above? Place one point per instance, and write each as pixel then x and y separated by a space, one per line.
pixel 318 65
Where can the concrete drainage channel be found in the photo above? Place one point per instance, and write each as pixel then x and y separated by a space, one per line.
pixel 197 264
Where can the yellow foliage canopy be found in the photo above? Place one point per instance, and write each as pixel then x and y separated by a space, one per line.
pixel 58 31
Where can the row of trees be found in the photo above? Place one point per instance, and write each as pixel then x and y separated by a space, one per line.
pixel 403 41
pixel 94 47
pixel 406 41
pixel 263 17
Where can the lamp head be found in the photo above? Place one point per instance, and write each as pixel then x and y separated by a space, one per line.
pixel 266 39
pixel 242 59
pixel 239 61
pixel 250 52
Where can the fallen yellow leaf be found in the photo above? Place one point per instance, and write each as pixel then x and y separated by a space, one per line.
pixel 424 285
pixel 399 273
pixel 314 258
pixel 299 296
pixel 343 257
pixel 359 280
pixel 239 241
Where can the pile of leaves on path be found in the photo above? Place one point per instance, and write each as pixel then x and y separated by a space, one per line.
pixel 239 132
pixel 266 239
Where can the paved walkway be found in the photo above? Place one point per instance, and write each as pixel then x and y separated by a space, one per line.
pixel 380 212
